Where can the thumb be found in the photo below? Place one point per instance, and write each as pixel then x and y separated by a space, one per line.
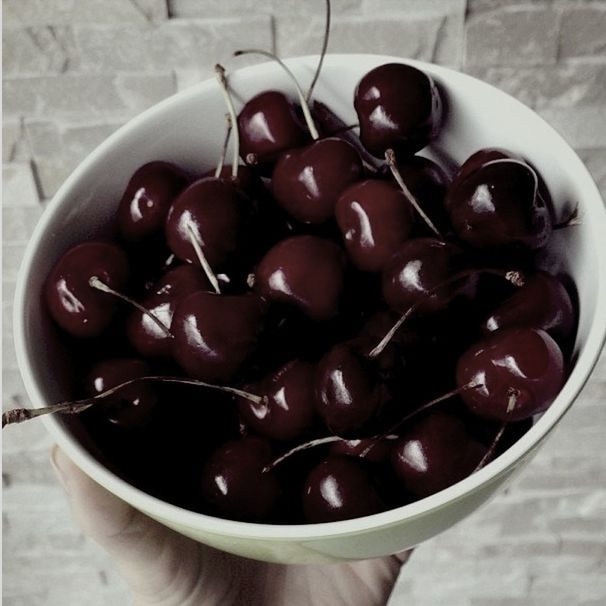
pixel 159 565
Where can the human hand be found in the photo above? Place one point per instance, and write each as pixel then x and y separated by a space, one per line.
pixel 164 568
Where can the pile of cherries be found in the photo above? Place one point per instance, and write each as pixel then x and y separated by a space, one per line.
pixel 382 329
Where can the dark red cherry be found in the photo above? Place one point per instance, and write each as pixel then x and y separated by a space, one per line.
pixel 217 212
pixel 288 407
pixel 375 218
pixel 499 204
pixel 306 182
pixel 269 125
pixel 349 390
pixel 518 373
pixel 368 449
pixel 542 302
pixel 436 452
pixel 303 271
pixel 339 488
pixel 234 485
pixel 215 334
pixel 74 304
pixel 142 332
pixel 131 406
pixel 419 266
pixel 147 198
pixel 398 107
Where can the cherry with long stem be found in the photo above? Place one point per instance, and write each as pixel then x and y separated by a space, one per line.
pixel 19 415
pixel 315 135
pixel 515 277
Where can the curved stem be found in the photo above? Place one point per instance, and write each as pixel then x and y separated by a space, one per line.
pixel 417 411
pixel 18 415
pixel 304 105
pixel 220 72
pixel 390 158
pixel 299 448
pixel 224 148
pixel 97 284
pixel 513 276
pixel 322 52
pixel 210 274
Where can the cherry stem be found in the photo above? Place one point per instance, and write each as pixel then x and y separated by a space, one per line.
pixel 97 284
pixel 573 219
pixel 515 277
pixel 210 274
pixel 224 148
pixel 390 158
pixel 417 411
pixel 322 52
pixel 312 444
pixel 304 105
pixel 299 448
pixel 490 452
pixel 220 72
pixel 19 415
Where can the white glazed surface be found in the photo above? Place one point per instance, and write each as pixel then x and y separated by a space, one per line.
pixel 187 129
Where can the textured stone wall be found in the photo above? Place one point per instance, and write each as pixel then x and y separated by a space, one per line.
pixel 75 70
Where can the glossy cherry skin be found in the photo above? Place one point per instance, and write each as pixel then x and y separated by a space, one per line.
pixel 542 302
pixel 287 411
pixel 303 271
pixel 398 107
pixel 73 303
pixel 234 485
pixel 488 154
pixel 375 218
pixel 306 182
pixel 339 488
pixel 518 372
pixel 215 334
pixel 417 268
pixel 131 406
pixel 176 284
pixel 436 452
pixel 147 198
pixel 269 125
pixel 217 212
pixel 349 392
pixel 499 204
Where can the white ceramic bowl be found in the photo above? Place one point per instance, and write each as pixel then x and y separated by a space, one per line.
pixel 187 129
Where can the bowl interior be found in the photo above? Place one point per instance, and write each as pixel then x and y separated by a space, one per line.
pixel 187 129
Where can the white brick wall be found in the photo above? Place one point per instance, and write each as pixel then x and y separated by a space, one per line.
pixel 74 70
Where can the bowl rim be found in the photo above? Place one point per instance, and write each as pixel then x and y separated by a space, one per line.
pixel 173 514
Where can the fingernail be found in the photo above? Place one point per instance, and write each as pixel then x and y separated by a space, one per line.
pixel 56 459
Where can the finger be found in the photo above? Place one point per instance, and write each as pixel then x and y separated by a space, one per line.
pixel 154 560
